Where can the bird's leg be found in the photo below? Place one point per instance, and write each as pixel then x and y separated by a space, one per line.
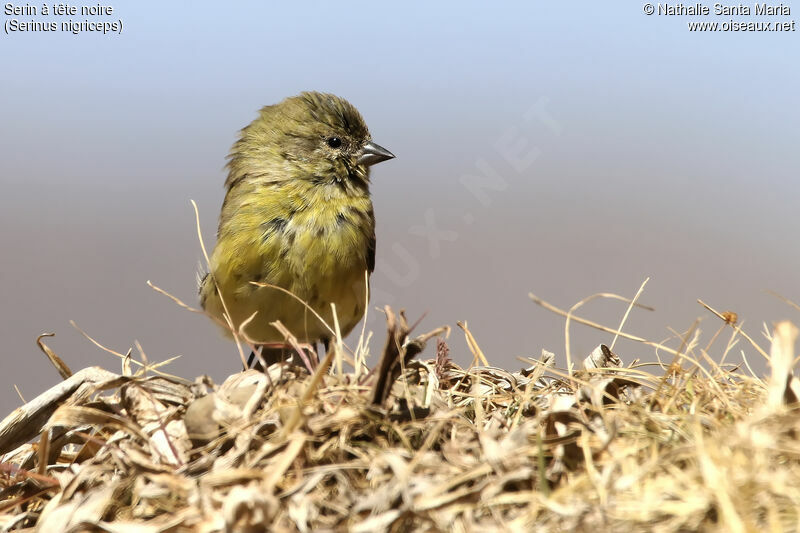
pixel 275 352
pixel 321 350
pixel 271 352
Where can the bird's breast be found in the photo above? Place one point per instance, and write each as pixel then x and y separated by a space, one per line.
pixel 331 237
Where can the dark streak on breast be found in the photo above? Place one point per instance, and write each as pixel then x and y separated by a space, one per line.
pixel 276 225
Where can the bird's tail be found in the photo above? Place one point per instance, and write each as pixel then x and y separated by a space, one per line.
pixel 201 275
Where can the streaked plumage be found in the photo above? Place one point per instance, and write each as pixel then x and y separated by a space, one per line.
pixel 297 214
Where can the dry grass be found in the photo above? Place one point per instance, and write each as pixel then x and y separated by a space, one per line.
pixel 599 446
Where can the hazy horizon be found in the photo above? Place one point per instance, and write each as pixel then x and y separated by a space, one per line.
pixel 563 151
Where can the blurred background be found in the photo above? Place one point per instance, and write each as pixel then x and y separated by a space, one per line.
pixel 559 149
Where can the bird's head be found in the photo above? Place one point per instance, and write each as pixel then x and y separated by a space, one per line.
pixel 313 136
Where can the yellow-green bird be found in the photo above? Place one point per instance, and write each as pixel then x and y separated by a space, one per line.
pixel 297 215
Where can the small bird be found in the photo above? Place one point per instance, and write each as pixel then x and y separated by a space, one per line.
pixel 297 215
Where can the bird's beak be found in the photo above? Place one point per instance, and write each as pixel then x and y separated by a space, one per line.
pixel 373 153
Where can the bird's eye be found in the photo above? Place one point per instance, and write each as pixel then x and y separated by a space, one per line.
pixel 334 142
